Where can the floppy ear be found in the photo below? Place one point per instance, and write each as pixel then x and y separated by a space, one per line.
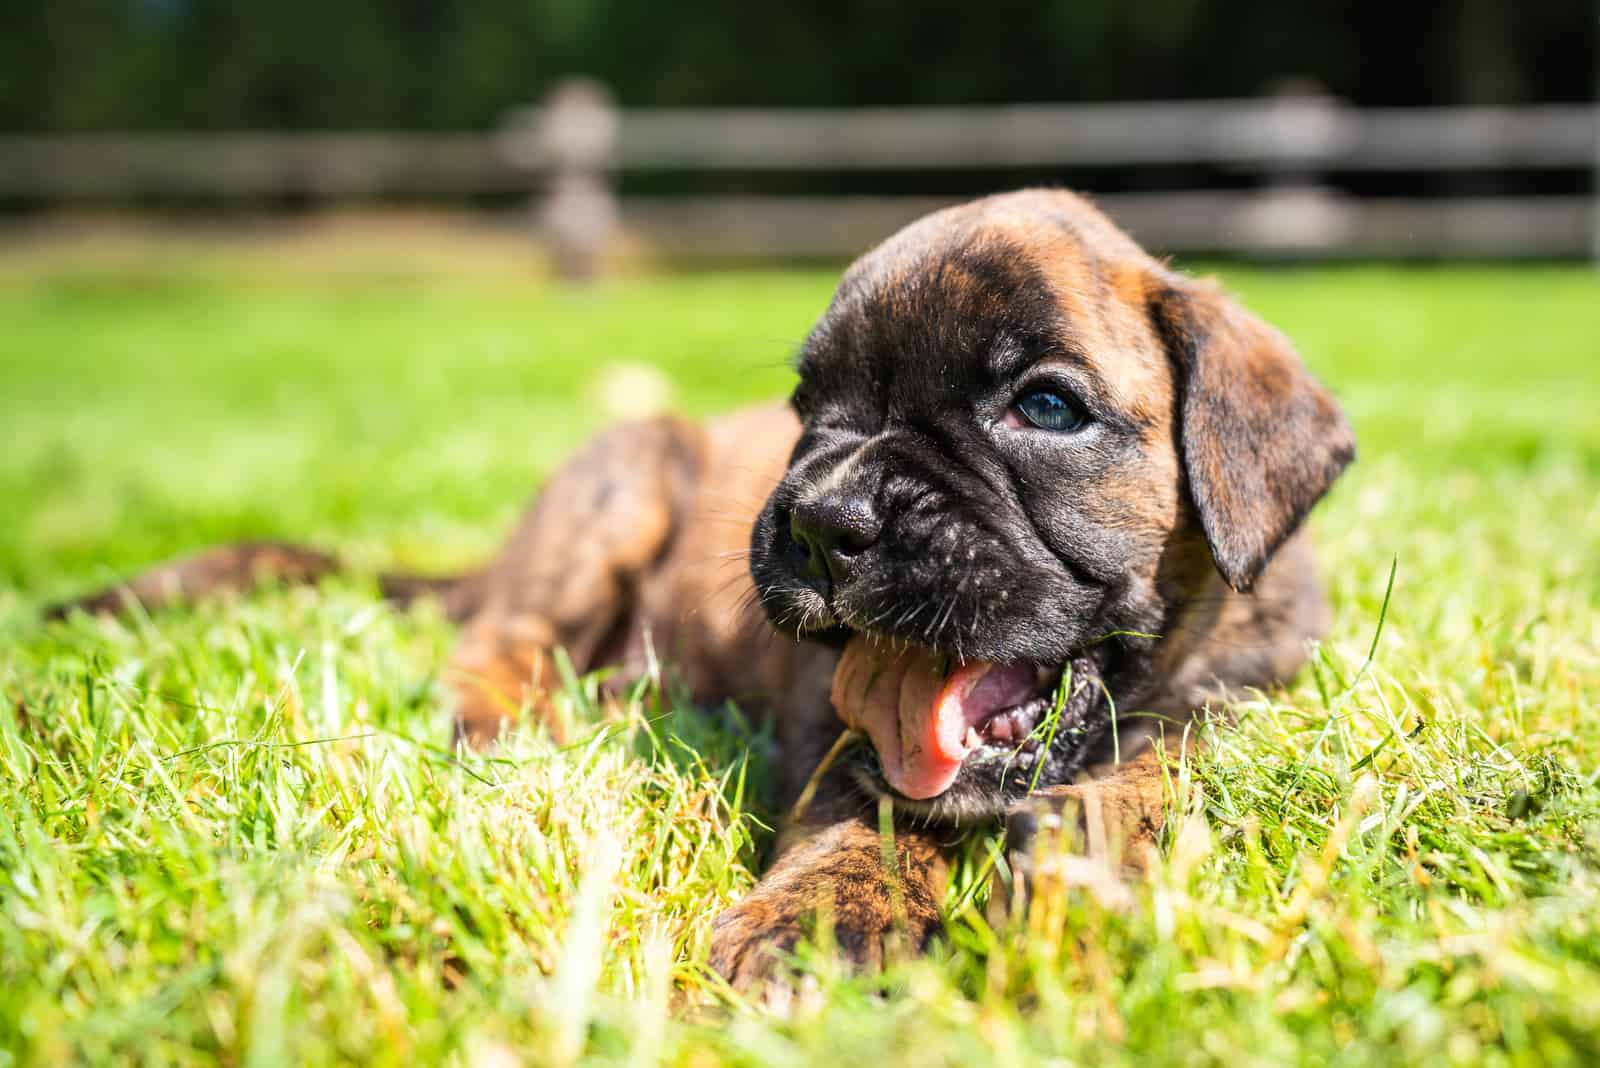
pixel 1261 439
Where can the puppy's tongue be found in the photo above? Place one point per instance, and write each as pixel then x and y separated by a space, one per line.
pixel 921 715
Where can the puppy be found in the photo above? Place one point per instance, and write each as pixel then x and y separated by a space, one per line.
pixel 1031 489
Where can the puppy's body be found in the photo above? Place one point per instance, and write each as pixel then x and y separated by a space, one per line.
pixel 1019 447
pixel 637 546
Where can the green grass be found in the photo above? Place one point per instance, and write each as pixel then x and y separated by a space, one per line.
pixel 238 833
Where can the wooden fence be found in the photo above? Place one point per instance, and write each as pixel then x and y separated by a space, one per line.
pixel 1283 155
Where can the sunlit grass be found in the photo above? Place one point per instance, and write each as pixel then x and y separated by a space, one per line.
pixel 240 833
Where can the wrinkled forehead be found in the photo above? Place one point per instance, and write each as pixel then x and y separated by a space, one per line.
pixel 951 307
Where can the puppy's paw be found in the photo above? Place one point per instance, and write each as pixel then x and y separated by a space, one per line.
pixel 752 941
pixel 836 888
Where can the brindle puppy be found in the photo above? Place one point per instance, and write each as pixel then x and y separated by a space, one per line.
pixel 1020 450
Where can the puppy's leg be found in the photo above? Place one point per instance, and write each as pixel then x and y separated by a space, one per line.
pixel 221 569
pixel 570 574
pixel 871 890
pixel 240 567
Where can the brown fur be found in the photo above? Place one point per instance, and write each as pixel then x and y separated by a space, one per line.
pixel 640 541
pixel 871 888
pixel 222 569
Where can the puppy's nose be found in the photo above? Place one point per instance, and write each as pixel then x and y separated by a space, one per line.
pixel 833 529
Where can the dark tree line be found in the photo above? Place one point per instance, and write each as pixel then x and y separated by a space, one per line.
pixel 207 64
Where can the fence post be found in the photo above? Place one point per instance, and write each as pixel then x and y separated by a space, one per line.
pixel 577 214
pixel 1594 201
pixel 1296 213
pixel 1594 183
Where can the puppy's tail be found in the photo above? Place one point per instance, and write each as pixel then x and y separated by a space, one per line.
pixel 243 566
pixel 458 595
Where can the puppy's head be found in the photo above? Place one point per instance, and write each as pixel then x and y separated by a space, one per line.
pixel 1014 423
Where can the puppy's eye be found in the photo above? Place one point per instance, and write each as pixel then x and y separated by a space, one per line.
pixel 1052 409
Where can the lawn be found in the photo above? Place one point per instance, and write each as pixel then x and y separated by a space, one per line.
pixel 238 833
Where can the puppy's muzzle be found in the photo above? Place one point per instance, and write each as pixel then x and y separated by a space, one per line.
pixel 833 530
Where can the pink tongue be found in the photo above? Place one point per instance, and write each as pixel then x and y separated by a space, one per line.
pixel 918 712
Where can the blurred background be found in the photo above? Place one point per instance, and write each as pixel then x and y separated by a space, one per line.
pixel 307 269
pixel 730 129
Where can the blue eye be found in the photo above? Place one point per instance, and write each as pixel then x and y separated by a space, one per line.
pixel 1049 409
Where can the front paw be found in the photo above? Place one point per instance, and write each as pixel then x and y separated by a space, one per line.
pixel 751 941
pixel 836 890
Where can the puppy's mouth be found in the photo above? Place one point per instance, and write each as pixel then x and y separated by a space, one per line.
pixel 927 714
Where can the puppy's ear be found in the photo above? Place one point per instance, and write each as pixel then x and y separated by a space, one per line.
pixel 1261 439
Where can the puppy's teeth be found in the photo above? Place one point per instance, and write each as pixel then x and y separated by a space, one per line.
pixel 972 740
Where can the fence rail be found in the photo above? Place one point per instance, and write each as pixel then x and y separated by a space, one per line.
pixel 1255 133
pixel 128 166
pixel 1289 223
pixel 1286 150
